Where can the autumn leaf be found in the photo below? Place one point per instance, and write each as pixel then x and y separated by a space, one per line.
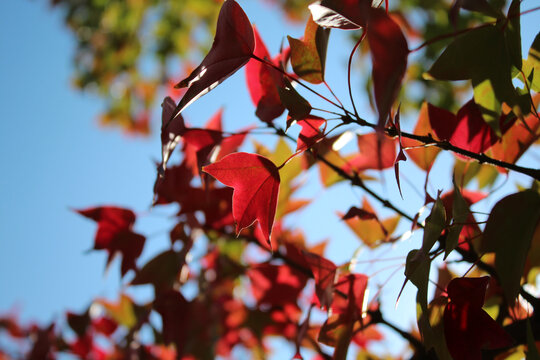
pixel 466 130
pixel 310 132
pixel 114 234
pixel 276 284
pixel 389 52
pixel 467 327
pixel 308 56
pixel 370 157
pixel 519 137
pixel 263 82
pixel 422 156
pixel 255 180
pixel 232 48
pixel 324 273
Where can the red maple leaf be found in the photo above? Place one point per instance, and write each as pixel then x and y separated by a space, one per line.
pixel 114 234
pixel 276 284
pixel 467 328
pixel 370 157
pixel 255 180
pixel 467 130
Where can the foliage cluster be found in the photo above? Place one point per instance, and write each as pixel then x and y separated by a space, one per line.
pixel 258 277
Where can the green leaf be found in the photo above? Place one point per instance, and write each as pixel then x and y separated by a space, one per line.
pixel 531 66
pixel 308 56
pixel 460 212
pixel 417 271
pixel 508 233
pixel 512 34
pixel 435 224
pixel 471 56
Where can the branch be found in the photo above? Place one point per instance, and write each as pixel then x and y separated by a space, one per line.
pixel 481 158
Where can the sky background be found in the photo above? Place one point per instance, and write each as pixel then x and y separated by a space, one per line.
pixel 54 157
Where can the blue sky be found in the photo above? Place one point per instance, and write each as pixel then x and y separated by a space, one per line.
pixel 55 157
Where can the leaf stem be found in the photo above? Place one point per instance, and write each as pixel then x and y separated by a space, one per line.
pixel 349 71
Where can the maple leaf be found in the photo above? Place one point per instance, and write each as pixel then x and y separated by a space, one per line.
pixel 389 52
pixel 370 157
pixel 467 327
pixel 114 234
pixel 276 284
pixel 466 130
pixel 519 137
pixel 308 56
pixel 263 82
pixel 422 156
pixel 232 48
pixel 255 180
pixel 310 132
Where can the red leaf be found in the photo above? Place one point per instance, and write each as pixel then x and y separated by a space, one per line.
pixel 114 234
pixel 389 53
pixel 517 140
pixel 341 14
pixel 466 130
pixel 423 156
pixel 354 287
pixel 276 284
pixel 324 273
pixel 112 221
pixel 176 316
pixel 255 180
pixel 173 185
pixel 232 48
pixel 263 82
pixel 370 157
pixel 198 146
pixel 467 328
pixel 310 132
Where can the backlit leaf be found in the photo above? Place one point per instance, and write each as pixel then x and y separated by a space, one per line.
pixel 263 82
pixel 255 180
pixel 389 52
pixel 233 46
pixel 467 327
pixel 423 156
pixel 308 56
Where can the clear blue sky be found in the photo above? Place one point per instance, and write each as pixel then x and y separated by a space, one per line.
pixel 54 157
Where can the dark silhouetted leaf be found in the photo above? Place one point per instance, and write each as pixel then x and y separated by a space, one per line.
pixel 508 233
